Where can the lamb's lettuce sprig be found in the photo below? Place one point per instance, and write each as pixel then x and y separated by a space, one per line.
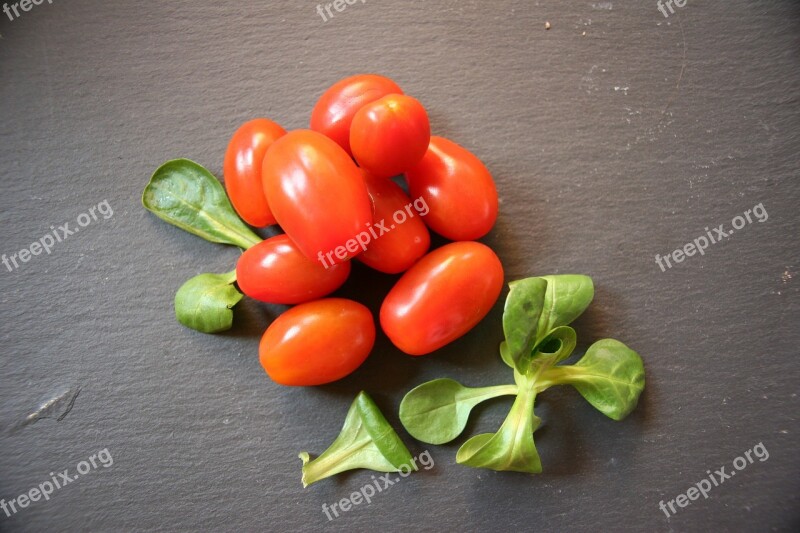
pixel 536 319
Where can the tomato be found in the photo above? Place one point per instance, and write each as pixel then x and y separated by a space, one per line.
pixel 458 188
pixel 317 342
pixel 400 235
pixel 317 194
pixel 390 135
pixel 275 271
pixel 334 110
pixel 242 170
pixel 442 297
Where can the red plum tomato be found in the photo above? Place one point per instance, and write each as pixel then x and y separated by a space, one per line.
pixel 334 111
pixel 390 135
pixel 458 188
pixel 317 342
pixel 275 271
pixel 398 235
pixel 443 296
pixel 317 195
pixel 242 170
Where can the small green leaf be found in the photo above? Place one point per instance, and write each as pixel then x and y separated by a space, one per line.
pixel 204 302
pixel 188 196
pixel 556 346
pixel 366 441
pixel 610 376
pixel 520 317
pixel 567 296
pixel 437 411
pixel 512 447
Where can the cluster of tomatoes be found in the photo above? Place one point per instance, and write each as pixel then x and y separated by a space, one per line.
pixel 330 189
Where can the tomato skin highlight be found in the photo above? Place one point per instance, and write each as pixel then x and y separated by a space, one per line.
pixel 390 135
pixel 400 247
pixel 442 297
pixel 458 188
pixel 317 342
pixel 333 113
pixel 317 195
pixel 242 169
pixel 275 271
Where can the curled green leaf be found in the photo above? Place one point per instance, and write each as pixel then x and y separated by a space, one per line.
pixel 188 196
pixel 205 302
pixel 556 346
pixel 437 411
pixel 366 441
pixel 610 376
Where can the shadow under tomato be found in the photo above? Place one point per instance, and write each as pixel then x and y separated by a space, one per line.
pixel 251 318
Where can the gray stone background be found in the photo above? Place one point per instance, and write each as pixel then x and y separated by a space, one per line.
pixel 614 136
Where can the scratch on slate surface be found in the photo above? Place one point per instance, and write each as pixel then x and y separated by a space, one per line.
pixel 680 75
pixel 58 406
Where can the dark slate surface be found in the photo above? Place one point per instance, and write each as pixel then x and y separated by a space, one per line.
pixel 614 136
